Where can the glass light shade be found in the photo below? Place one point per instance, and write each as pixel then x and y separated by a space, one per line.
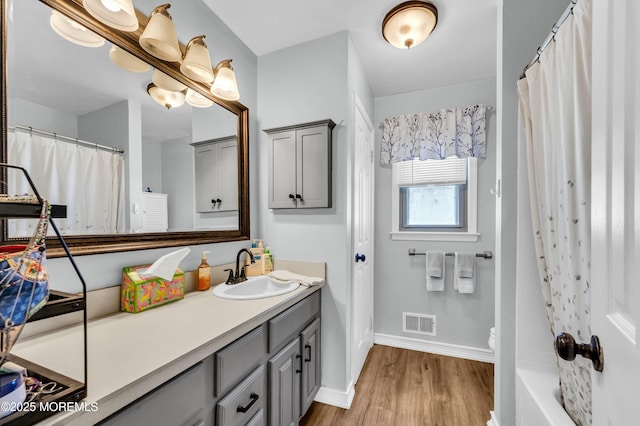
pixel 159 38
pixel 224 85
pixel 118 14
pixel 409 24
pixel 197 63
pixel 127 61
pixel 195 99
pixel 71 31
pixel 166 98
pixel 163 81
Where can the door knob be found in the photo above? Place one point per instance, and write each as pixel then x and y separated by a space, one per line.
pixel 567 349
pixel 360 257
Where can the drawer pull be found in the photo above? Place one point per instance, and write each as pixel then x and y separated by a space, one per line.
pixel 308 358
pixel 254 398
pixel 300 358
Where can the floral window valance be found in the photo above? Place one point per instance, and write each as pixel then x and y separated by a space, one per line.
pixel 437 135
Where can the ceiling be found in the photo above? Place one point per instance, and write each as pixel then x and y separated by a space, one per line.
pixel 461 48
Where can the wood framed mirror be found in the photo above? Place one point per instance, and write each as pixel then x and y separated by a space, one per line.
pixel 201 231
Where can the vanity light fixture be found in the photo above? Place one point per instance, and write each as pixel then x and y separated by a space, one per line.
pixel 409 23
pixel 71 31
pixel 166 98
pixel 126 60
pixel 118 14
pixel 224 84
pixel 195 99
pixel 159 38
pixel 197 63
pixel 165 82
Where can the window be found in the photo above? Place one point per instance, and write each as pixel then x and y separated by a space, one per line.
pixel 435 200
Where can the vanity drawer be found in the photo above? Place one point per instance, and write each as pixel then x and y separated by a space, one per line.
pixel 236 360
pixel 290 322
pixel 245 401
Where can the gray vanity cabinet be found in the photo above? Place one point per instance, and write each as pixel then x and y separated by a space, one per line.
pixel 300 166
pixel 270 375
pixel 285 370
pixel 216 175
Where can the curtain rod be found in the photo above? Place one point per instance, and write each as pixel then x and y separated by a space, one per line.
pixel 551 37
pixel 67 138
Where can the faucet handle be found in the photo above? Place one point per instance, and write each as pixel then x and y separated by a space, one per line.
pixel 243 275
pixel 230 279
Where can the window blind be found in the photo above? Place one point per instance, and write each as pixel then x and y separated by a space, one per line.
pixel 415 172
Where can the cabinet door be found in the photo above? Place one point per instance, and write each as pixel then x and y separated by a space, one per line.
pixel 284 385
pixel 313 176
pixel 282 172
pixel 311 365
pixel 227 166
pixel 206 157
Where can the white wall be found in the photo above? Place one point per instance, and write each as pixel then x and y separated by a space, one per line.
pixel 41 117
pixel 151 166
pixel 399 279
pixel 522 26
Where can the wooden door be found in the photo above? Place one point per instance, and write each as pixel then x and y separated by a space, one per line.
pixel 282 170
pixel 313 152
pixel 362 228
pixel 615 211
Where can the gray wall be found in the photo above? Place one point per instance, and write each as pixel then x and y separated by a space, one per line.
pixel 522 27
pixel 151 166
pixel 105 270
pixel 41 117
pixel 304 83
pixel 462 319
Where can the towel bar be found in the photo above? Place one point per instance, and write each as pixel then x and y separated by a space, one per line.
pixel 485 255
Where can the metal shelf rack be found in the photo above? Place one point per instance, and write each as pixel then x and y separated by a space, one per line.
pixel 59 303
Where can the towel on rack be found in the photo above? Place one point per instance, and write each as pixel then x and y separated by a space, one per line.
pixel 464 270
pixel 435 270
pixel 285 276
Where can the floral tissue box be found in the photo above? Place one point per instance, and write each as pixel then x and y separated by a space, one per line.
pixel 138 294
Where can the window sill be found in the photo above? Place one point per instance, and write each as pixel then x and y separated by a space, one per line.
pixel 434 236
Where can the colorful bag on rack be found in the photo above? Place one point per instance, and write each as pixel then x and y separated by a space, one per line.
pixel 24 283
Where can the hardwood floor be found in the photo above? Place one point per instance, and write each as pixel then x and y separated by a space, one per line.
pixel 399 387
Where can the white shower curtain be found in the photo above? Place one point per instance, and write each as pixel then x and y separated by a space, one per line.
pixel 555 105
pixel 87 180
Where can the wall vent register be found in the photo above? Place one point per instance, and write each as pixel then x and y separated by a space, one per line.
pixel 419 323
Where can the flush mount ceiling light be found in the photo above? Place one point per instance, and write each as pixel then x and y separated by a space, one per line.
pixel 126 60
pixel 159 38
pixel 71 31
pixel 165 82
pixel 197 63
pixel 409 23
pixel 166 98
pixel 195 99
pixel 118 14
pixel 224 84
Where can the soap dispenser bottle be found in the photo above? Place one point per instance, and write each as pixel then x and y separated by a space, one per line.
pixel 204 273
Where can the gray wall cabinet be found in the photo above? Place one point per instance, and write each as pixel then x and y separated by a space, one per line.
pixel 268 376
pixel 300 166
pixel 216 175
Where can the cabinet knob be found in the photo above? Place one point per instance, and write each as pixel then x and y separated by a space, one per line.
pixel 219 201
pixel 360 257
pixel 213 201
pixel 292 197
pixel 299 197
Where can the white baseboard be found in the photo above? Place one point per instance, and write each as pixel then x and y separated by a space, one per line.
pixel 337 398
pixel 447 349
pixel 493 421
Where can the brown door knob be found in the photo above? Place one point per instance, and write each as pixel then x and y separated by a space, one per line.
pixel 568 349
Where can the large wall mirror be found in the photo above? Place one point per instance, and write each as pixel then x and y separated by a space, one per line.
pixel 59 94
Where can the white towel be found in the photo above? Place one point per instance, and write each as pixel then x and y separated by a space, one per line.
pixel 286 276
pixel 435 271
pixel 464 270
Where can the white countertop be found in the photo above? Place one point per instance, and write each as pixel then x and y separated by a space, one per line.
pixel 131 354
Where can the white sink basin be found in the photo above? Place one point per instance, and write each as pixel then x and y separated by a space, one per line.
pixel 254 288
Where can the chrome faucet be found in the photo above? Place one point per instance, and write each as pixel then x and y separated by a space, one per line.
pixel 239 275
